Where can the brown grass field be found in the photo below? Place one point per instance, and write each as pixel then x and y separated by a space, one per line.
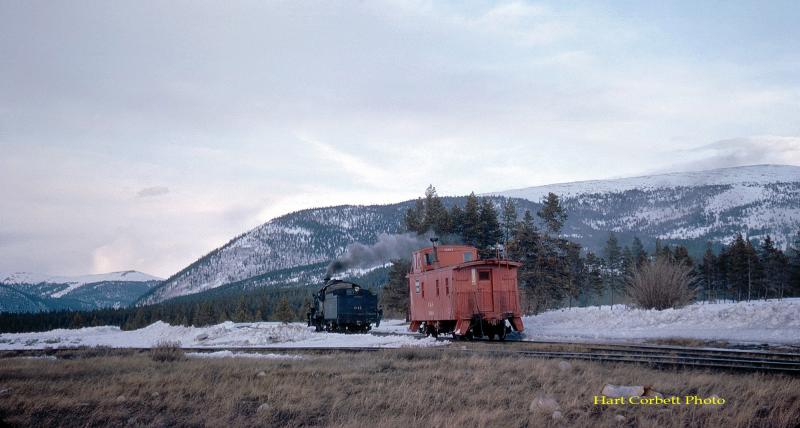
pixel 391 388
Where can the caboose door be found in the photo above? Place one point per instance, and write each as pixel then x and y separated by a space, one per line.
pixel 485 298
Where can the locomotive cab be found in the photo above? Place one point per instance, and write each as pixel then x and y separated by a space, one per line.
pixel 453 291
pixel 344 307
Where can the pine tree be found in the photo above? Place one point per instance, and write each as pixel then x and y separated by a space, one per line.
pixel 613 261
pixel 436 217
pixel 681 256
pixel 753 270
pixel 395 297
pixel 284 312
pixel 594 272
pixel 241 314
pixel 415 217
pixel 627 261
pixel 471 221
pixel 775 269
pixel 793 254
pixel 552 213
pixel 509 220
pixel 457 220
pixel 638 252
pixel 525 248
pixel 489 229
pixel 708 270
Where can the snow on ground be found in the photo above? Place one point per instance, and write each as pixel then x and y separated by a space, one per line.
pixel 227 334
pixel 772 322
pixel 392 326
pixel 230 354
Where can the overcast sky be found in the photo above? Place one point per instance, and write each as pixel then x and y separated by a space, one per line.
pixel 141 135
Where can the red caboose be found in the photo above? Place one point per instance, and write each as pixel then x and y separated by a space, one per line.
pixel 452 291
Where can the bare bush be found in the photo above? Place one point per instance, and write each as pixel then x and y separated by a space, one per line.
pixel 661 284
pixel 166 351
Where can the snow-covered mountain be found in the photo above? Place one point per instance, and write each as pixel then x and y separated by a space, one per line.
pixel 706 205
pixel 33 292
pixel 689 208
pixel 308 238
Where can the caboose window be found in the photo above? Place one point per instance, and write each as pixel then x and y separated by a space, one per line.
pixel 467 257
pixel 483 275
pixel 437 288
pixel 428 258
pixel 416 285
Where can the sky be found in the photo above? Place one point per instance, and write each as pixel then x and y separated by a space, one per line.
pixel 144 134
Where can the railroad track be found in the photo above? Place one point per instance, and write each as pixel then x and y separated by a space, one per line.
pixel 659 356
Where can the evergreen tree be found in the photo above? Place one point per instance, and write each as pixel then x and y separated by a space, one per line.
pixel 284 312
pixel 436 217
pixel 241 314
pixel 509 219
pixel 775 269
pixel 471 221
pixel 627 261
pixel 395 296
pixel 743 268
pixel 709 272
pixel 681 256
pixel 613 269
pixel 415 218
pixel 552 213
pixel 594 273
pixel 489 232
pixel 574 269
pixel 457 220
pixel 793 254
pixel 525 248
pixel 638 252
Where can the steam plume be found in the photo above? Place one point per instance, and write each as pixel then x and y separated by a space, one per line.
pixel 387 248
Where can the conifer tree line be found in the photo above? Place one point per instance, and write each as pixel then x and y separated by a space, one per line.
pixel 557 272
pixel 261 304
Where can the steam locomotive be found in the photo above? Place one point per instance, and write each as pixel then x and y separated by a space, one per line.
pixel 346 307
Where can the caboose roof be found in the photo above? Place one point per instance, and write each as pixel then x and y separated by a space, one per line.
pixel 484 262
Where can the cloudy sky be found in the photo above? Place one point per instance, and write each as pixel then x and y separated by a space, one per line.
pixel 141 135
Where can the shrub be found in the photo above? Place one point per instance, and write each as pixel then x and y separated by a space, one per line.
pixel 661 284
pixel 167 351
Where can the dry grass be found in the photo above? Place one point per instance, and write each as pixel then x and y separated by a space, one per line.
pixel 166 351
pixel 393 388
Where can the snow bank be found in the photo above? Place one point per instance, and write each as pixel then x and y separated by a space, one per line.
pixel 227 334
pixel 393 327
pixel 772 322
pixel 230 354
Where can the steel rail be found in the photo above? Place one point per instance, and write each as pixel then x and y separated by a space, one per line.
pixel 728 362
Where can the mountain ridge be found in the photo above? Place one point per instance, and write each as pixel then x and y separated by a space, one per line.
pixel 34 292
pixel 679 207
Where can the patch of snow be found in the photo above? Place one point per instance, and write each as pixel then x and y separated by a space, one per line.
pixel 755 174
pixel 227 334
pixel 774 322
pixel 393 326
pixel 254 355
